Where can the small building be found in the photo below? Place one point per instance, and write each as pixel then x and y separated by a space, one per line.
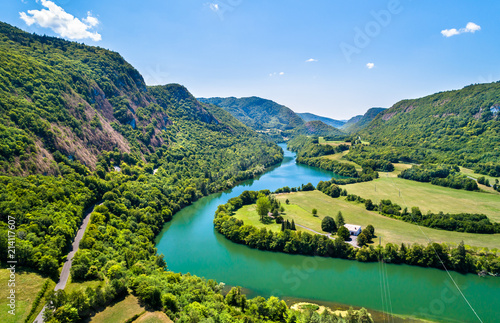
pixel 354 230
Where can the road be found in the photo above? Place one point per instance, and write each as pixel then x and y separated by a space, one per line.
pixel 63 278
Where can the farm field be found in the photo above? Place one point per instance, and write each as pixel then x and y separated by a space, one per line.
pixel 28 285
pixel 153 317
pixel 119 312
pixel 428 197
pixel 390 230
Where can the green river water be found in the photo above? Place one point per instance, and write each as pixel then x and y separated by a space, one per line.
pixel 190 244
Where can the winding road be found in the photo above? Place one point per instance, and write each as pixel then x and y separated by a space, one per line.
pixel 63 278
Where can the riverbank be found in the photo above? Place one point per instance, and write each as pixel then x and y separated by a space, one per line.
pixel 208 254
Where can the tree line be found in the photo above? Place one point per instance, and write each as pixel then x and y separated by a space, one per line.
pixel 442 175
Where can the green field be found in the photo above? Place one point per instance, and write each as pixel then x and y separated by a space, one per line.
pixel 470 172
pixel 322 141
pixel 71 287
pixel 119 312
pixel 428 197
pixel 249 216
pixel 340 158
pixel 28 285
pixel 390 230
pixel 153 317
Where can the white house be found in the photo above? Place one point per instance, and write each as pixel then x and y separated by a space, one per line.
pixel 354 230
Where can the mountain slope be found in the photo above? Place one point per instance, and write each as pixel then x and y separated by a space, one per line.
pixel 313 117
pixel 257 113
pixel 359 122
pixel 60 99
pixel 458 127
pixel 317 128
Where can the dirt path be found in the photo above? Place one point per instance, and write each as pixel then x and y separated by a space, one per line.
pixel 63 278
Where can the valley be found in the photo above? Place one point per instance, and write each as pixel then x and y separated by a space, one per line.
pixel 174 237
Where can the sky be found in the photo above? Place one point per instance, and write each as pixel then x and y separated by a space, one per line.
pixel 329 57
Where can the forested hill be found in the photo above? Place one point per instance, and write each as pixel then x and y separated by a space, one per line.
pixel 61 99
pixel 313 117
pixel 359 122
pixel 317 128
pixel 258 113
pixel 457 127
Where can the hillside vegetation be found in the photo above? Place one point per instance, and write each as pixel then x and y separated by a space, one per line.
pixel 456 127
pixel 81 127
pixel 313 117
pixel 258 113
pixel 359 122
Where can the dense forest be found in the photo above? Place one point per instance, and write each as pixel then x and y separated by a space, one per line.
pixel 357 123
pixel 276 121
pixel 434 255
pixel 456 127
pixel 258 113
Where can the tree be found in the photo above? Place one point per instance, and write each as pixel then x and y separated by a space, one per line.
pixel 287 201
pixel 339 220
pixel 362 239
pixel 263 206
pixel 292 227
pixel 370 229
pixel 343 233
pixel 315 212
pixel 328 224
pixel 369 205
pixel 282 209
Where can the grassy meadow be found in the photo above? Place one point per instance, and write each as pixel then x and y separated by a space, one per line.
pixel 428 197
pixel 390 230
pixel 120 311
pixel 28 285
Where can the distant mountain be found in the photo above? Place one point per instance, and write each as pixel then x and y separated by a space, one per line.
pixel 359 122
pixel 257 113
pixel 317 128
pixel 460 127
pixel 352 121
pixel 313 117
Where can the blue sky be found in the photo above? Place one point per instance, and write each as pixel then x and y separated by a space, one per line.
pixel 333 58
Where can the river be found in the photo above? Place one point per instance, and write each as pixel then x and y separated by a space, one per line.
pixel 190 244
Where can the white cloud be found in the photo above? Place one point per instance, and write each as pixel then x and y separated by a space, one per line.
pixel 214 7
pixel 61 22
pixel 469 28
pixel 282 73
pixel 310 60
pixel 276 74
pixel 370 65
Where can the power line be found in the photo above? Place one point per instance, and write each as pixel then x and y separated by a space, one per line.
pixel 441 261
